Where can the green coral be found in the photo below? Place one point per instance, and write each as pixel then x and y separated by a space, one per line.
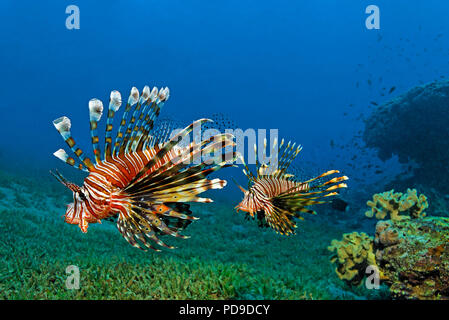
pixel 397 206
pixel 410 251
pixel 352 255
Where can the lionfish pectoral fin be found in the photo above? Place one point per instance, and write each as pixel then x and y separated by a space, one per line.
pixel 164 150
pixel 280 218
pixel 148 221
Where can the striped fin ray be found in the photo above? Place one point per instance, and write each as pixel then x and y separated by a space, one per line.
pixel 264 167
pixel 156 101
pixel 185 186
pixel 328 187
pixel 95 113
pixel 174 210
pixel 138 114
pixel 131 231
pixel 164 219
pixel 277 165
pixel 132 100
pixel 296 202
pixel 158 135
pixel 289 153
pixel 63 126
pixel 164 150
pixel 246 171
pixel 115 101
pixel 128 132
pixel 174 167
pixel 285 162
pixel 148 222
pixel 62 155
pixel 281 221
pixel 175 184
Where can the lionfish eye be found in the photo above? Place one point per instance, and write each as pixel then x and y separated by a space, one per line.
pixel 81 195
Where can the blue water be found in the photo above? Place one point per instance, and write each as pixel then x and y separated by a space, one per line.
pixel 281 65
pixel 295 66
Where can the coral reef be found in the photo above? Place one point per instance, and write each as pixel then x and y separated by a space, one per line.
pixel 414 127
pixel 352 255
pixel 414 257
pixel 410 251
pixel 397 206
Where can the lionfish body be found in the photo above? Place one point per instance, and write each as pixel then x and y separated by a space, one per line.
pixel 275 197
pixel 143 179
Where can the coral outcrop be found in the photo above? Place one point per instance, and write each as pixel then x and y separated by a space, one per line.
pixel 397 206
pixel 411 251
pixel 414 257
pixel 414 126
pixel 353 254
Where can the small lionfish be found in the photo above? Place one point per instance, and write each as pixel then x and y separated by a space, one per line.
pixel 275 197
pixel 146 178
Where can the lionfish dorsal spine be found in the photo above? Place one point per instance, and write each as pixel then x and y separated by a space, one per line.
pixel 135 131
pixel 62 155
pixel 95 113
pixel 166 148
pixel 139 135
pixel 127 134
pixel 133 126
pixel 158 99
pixel 63 126
pixel 289 157
pixel 115 101
pixel 132 100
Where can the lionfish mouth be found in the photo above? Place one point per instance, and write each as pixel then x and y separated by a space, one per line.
pixel 241 208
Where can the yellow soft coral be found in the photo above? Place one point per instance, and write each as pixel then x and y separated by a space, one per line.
pixel 397 205
pixel 353 254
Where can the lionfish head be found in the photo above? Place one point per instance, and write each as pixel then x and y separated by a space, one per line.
pixel 247 204
pixel 76 212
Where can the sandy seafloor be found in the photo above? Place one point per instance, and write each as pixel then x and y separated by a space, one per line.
pixel 226 257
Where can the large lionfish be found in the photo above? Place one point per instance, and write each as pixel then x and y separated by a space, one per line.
pixel 143 179
pixel 275 197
